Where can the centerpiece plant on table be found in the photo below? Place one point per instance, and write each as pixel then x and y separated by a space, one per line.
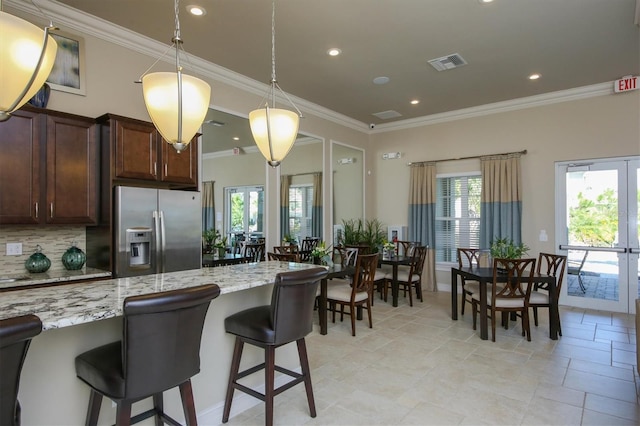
pixel 505 248
pixel 321 254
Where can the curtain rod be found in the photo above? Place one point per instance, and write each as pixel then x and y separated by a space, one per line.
pixel 466 158
pixel 303 174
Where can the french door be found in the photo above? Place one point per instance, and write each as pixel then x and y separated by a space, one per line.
pixel 597 227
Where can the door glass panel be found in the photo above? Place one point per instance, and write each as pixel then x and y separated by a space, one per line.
pixel 592 219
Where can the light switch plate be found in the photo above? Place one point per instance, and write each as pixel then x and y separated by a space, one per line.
pixel 14 249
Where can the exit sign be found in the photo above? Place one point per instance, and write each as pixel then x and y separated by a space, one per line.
pixel 626 84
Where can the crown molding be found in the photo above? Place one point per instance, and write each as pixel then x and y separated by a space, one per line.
pixel 583 92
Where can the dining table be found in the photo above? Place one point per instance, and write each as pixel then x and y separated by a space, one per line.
pixel 209 260
pixel 395 262
pixel 484 276
pixel 335 270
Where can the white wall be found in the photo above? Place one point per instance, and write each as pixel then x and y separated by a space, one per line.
pixel 603 126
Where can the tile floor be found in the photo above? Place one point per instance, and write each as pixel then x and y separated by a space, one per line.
pixel 418 367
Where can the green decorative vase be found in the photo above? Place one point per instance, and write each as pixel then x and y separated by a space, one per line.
pixel 74 258
pixel 37 262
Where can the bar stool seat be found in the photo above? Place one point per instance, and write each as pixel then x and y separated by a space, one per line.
pixel 15 337
pixel 159 350
pixel 288 319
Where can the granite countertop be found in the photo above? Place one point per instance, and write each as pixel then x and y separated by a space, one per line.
pixel 72 304
pixel 10 281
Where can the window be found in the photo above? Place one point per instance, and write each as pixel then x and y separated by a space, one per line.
pixel 457 215
pixel 300 204
pixel 245 209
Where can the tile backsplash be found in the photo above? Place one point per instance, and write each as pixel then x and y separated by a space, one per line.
pixel 53 240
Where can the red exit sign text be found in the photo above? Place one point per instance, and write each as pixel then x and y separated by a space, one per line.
pixel 625 84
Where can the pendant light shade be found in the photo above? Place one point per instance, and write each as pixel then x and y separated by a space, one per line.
pixel 177 103
pixel 27 54
pixel 161 91
pixel 274 131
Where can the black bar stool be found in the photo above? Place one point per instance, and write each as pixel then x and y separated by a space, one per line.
pixel 288 319
pixel 160 349
pixel 15 338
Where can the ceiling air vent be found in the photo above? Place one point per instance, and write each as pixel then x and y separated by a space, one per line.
pixel 385 115
pixel 448 62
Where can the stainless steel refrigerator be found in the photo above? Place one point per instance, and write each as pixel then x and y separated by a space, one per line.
pixel 156 230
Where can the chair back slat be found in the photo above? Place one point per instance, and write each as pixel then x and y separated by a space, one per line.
pixel 253 251
pixel 519 278
pixel 284 257
pixel 365 272
pixel 468 257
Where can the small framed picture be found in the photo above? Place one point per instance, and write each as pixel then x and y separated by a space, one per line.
pixel 68 73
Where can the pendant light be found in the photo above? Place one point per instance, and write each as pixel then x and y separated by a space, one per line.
pixel 274 130
pixel 27 54
pixel 176 102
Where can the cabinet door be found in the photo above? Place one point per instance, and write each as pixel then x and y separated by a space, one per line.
pixel 180 167
pixel 136 152
pixel 72 179
pixel 20 158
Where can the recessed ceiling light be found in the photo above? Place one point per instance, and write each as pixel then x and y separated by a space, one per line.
pixel 381 80
pixel 534 76
pixel 235 138
pixel 415 102
pixel 196 10
pixel 334 51
pixel 485 1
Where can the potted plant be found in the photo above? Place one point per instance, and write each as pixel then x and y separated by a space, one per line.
pixel 505 248
pixel 209 237
pixel 321 254
pixel 368 235
pixel 221 245
pixel 289 240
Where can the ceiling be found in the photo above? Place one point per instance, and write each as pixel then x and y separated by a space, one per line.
pixel 571 43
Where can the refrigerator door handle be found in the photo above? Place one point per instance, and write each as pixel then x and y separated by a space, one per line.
pixel 163 242
pixel 158 237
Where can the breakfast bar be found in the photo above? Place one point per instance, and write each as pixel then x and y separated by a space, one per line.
pixel 78 317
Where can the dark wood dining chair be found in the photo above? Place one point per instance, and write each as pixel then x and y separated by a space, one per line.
pixel 512 296
pixel 548 264
pixel 358 294
pixel 283 257
pixel 253 251
pixel 292 248
pixel 468 258
pixel 411 279
pixel 308 244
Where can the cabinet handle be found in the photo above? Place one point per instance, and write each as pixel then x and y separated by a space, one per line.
pixel 36 209
pixel 51 209
pixel 165 169
pixel 155 168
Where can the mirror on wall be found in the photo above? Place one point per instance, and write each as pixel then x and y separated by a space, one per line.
pixel 301 210
pixel 233 163
pixel 347 164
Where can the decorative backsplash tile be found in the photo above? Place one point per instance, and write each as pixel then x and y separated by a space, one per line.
pixel 53 240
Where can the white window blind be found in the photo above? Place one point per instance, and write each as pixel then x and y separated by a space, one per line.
pixel 300 205
pixel 457 215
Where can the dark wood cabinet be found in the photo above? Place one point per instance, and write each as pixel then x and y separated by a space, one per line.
pixel 48 169
pixel 137 151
